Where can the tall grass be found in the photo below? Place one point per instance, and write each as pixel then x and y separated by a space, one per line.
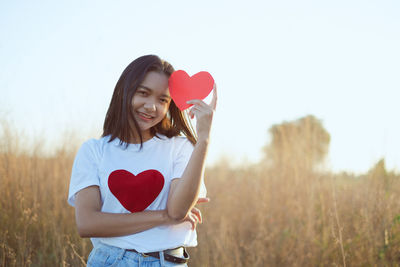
pixel 257 216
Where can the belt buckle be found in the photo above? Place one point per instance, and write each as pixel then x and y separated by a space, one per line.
pixel 144 255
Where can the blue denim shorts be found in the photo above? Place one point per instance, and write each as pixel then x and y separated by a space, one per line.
pixel 106 255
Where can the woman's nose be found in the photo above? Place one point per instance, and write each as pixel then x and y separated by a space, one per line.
pixel 150 106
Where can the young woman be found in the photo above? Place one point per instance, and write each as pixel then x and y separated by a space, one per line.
pixel 134 190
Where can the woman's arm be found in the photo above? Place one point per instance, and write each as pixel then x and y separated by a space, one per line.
pixel 184 192
pixel 91 222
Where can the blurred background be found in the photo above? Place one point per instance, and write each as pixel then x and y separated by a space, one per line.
pixel 304 152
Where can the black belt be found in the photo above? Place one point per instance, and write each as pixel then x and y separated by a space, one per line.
pixel 167 257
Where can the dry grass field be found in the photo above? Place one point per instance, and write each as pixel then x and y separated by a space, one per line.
pixel 259 215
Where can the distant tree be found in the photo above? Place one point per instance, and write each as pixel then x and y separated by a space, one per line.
pixel 380 175
pixel 379 169
pixel 301 144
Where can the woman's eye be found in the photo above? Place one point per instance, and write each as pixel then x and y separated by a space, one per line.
pixel 164 100
pixel 142 93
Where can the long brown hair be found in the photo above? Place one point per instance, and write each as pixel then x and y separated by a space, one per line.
pixel 120 110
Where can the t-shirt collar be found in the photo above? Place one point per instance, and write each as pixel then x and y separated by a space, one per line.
pixel 150 142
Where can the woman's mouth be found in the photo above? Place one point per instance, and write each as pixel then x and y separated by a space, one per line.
pixel 145 116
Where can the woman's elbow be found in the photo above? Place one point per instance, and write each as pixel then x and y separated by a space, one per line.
pixel 83 226
pixel 82 234
pixel 83 230
pixel 176 214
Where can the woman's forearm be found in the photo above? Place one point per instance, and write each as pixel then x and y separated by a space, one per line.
pixel 183 195
pixel 102 224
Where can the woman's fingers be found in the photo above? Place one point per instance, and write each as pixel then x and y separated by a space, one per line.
pixel 197 102
pixel 194 216
pixel 204 115
pixel 193 220
pixel 197 213
pixel 213 103
pixel 203 200
pixel 201 108
pixel 191 114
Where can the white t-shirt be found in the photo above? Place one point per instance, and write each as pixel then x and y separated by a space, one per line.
pixel 133 180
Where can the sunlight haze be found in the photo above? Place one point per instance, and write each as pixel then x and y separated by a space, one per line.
pixel 273 61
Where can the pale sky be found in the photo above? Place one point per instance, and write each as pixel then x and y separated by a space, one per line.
pixel 273 61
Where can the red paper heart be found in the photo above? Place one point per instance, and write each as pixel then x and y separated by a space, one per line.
pixel 135 192
pixel 182 87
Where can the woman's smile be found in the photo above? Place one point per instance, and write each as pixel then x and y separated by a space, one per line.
pixel 144 116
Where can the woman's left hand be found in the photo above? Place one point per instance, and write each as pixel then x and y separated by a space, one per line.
pixel 194 217
pixel 204 114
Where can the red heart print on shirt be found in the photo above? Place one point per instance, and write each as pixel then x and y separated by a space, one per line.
pixel 135 192
pixel 183 88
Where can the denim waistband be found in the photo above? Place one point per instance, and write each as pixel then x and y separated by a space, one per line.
pixel 120 253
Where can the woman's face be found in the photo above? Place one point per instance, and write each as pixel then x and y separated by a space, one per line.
pixel 151 102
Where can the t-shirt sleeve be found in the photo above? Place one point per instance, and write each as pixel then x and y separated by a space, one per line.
pixel 181 160
pixel 85 169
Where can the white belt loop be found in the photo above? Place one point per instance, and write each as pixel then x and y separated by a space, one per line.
pixel 121 254
pixel 162 260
